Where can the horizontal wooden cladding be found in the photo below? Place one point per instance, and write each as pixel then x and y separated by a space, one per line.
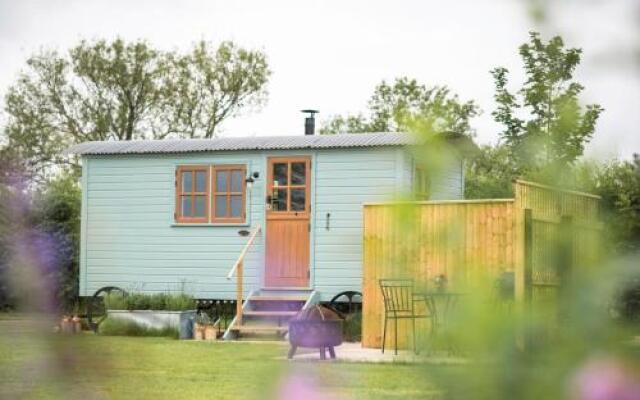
pixel 423 240
pixel 218 267
pixel 343 183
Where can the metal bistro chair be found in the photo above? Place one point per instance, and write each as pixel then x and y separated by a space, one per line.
pixel 399 303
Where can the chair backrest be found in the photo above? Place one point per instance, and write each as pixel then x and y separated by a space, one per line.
pixel 397 295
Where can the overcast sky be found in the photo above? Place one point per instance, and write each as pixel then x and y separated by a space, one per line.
pixel 329 55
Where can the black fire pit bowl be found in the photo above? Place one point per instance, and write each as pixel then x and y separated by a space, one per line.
pixel 320 334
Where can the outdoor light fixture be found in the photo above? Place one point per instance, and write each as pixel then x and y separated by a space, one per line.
pixel 251 179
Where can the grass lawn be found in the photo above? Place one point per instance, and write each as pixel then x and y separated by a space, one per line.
pixel 89 366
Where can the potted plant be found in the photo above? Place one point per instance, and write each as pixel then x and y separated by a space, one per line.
pixel 76 324
pixel 210 332
pixel 440 282
pixel 206 327
pixel 199 327
pixel 66 326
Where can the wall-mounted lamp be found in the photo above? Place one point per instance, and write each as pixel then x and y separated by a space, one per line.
pixel 251 179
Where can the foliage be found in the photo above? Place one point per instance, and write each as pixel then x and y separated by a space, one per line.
pixel 57 214
pixel 393 106
pixel 352 327
pixel 39 239
pixel 557 129
pixel 618 185
pixel 489 174
pixel 209 85
pixel 203 318
pixel 156 301
pixel 563 347
pixel 628 301
pixel 6 298
pixel 116 90
pixel 119 327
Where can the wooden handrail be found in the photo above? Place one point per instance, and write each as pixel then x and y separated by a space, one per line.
pixel 238 270
pixel 244 251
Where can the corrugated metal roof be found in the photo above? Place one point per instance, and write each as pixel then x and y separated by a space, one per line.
pixel 242 143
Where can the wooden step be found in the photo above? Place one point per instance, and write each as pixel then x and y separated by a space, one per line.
pixel 260 328
pixel 278 298
pixel 270 313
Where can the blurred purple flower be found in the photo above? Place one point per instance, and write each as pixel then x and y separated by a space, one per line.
pixel 36 252
pixel 298 387
pixel 606 379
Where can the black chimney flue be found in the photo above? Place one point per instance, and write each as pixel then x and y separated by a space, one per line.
pixel 310 122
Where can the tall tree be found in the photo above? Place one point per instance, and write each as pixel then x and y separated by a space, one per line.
pixel 115 90
pixel 394 107
pixel 212 85
pixel 545 127
pixel 489 173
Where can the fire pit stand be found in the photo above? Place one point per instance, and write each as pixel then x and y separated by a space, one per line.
pixel 310 331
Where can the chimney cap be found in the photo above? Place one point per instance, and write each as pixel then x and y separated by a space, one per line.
pixel 309 111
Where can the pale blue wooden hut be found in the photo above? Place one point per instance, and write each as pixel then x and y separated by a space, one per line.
pixel 176 215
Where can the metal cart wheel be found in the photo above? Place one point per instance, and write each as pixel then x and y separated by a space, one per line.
pixel 343 302
pixel 96 311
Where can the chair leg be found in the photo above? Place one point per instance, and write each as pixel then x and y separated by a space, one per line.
pixel 384 334
pixel 395 341
pixel 332 352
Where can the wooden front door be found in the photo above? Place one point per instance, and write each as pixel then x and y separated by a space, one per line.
pixel 288 221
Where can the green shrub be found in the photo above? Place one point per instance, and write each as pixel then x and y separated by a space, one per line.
pixel 118 327
pixel 179 302
pixel 352 327
pixel 157 301
pixel 115 301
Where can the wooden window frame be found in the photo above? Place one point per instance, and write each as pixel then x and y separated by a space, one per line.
pixel 214 194
pixel 179 193
pixel 289 185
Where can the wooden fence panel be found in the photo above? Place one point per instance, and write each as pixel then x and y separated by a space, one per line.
pixel 459 239
pixel 469 240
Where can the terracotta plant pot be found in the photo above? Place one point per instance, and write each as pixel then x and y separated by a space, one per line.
pixel 76 325
pixel 198 331
pixel 210 332
pixel 66 326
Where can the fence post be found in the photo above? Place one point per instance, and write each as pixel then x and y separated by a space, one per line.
pixel 528 258
pixel 528 277
pixel 565 264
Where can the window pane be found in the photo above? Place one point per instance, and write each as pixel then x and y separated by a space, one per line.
pixel 236 206
pixel 280 174
pixel 221 181
pixel 298 197
pixel 298 172
pixel 201 204
pixel 237 177
pixel 187 181
pixel 186 206
pixel 279 200
pixel 221 206
pixel 201 181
